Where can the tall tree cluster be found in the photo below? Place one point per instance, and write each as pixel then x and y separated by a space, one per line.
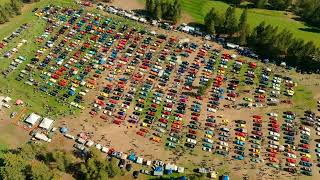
pixel 266 40
pixel 164 9
pixel 10 9
pixel 35 162
pixel 309 11
pixel 227 23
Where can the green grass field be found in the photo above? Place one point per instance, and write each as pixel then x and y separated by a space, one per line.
pixel 197 9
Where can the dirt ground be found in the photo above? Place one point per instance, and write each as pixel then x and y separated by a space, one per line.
pixel 124 139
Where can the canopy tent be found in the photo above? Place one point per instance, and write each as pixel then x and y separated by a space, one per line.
pixel 46 123
pixel 19 102
pixel 64 130
pixel 32 118
pixel 42 137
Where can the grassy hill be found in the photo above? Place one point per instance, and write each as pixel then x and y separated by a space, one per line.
pixel 197 9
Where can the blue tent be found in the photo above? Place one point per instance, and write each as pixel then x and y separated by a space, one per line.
pixel 169 171
pixel 132 157
pixel 64 130
pixel 224 177
pixel 183 178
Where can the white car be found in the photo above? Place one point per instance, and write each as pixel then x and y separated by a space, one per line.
pixel 274 134
pixel 305 129
pixel 189 140
pixel 273 146
pixel 318 145
pixel 222 143
pixel 273 114
pixel 211 110
pixel 305 132
pixel 138 108
pixel 318 129
pixel 206 149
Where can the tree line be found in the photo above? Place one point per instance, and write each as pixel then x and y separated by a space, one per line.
pixel 309 11
pixel 267 40
pixel 164 9
pixel 10 9
pixel 36 162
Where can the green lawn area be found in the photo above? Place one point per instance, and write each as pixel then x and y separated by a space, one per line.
pixel 197 9
pixel 10 86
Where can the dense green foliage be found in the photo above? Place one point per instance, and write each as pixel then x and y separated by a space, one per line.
pixel 35 162
pixel 309 11
pixel 266 40
pixel 160 9
pixel 10 9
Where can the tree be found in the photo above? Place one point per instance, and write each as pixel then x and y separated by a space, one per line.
pixel 16 6
pixel 39 171
pixel 236 2
pixel 231 22
pixel 176 11
pixel 244 28
pixel 62 160
pixel 158 10
pixel 12 167
pixel 280 4
pixel 260 3
pixel 209 21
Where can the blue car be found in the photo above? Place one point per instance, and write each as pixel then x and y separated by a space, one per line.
pixel 239 157
pixel 240 143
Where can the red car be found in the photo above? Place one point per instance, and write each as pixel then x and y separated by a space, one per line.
pixel 192 131
pixel 272 155
pixel 257 117
pixel 144 130
pixel 163 120
pixel 305 159
pixel 210 124
pixel 258 133
pixel 140 133
pixel 272 159
pixel 195 114
pixel 290 160
pixel 306 146
pixel 195 118
pixel 240 134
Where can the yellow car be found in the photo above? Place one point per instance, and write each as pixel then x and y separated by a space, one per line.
pixel 145 125
pixel 208 136
pixel 305 155
pixel 257 151
pixel 240 138
pixel 241 125
pixel 90 86
pixel 225 121
pixel 223 147
pixel 75 85
pixel 104 94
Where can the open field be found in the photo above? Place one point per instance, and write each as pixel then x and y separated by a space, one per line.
pixel 129 106
pixel 197 9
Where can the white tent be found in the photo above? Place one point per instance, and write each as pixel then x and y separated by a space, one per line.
pixel 46 123
pixel 42 137
pixel 139 160
pixel 32 118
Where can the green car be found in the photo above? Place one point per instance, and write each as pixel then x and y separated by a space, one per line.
pixel 207 145
pixel 171 145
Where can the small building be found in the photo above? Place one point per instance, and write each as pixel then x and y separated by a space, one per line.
pixel 33 119
pixel 7 99
pixel 46 123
